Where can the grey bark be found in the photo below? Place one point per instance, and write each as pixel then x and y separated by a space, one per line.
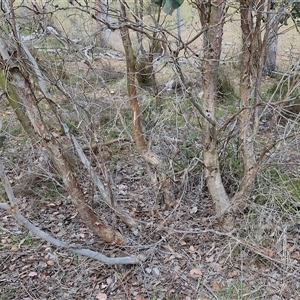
pixel 103 18
pixel 272 42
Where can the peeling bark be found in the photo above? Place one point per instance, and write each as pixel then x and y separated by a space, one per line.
pixel 250 32
pixel 21 88
pixel 212 16
pixel 13 209
pixel 161 180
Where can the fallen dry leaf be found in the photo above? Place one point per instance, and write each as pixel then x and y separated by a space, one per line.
pixel 14 248
pixel 192 249
pixel 217 286
pixel 50 263
pixel 140 298
pixel 196 273
pixel 43 277
pixel 18 177
pixel 32 274
pixel 210 259
pixel 234 273
pixel 296 256
pixel 101 296
pixel 268 252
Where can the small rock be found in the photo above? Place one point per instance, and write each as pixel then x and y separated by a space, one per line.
pixel 156 271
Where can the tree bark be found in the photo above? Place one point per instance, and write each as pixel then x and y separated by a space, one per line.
pixel 101 8
pixel 212 17
pixel 246 133
pixel 271 38
pixel 98 225
pixel 161 180
pixel 20 93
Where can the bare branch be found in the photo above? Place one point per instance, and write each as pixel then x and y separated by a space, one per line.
pixel 104 195
pixel 14 210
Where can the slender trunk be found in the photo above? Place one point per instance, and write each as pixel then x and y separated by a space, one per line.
pixel 21 89
pixel 251 79
pixel 88 216
pixel 139 12
pixel 131 86
pixel 212 16
pixel 246 133
pixel 16 105
pixel 101 7
pixel 160 179
pixel 271 38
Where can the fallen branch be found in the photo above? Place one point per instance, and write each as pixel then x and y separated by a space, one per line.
pixel 13 209
pixel 108 143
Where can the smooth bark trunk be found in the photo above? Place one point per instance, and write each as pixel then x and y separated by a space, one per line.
pixel 272 42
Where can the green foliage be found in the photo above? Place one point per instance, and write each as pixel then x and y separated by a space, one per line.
pixel 72 125
pixel 168 6
pixel 291 9
pixel 7 293
pixel 280 90
pixel 2 139
pixel 295 9
pixel 9 239
pixel 236 290
pixel 47 190
pixel 281 187
pixel 75 259
pixel 284 91
pixel 226 90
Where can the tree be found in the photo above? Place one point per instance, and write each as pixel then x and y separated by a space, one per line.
pixel 22 96
pixel 44 97
pixel 271 38
pixel 160 179
pixel 212 19
pixel 101 9
pixel 274 15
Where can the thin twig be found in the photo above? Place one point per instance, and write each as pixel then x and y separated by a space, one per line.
pixel 14 210
pixel 104 195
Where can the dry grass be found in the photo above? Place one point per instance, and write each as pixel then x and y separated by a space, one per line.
pixel 189 257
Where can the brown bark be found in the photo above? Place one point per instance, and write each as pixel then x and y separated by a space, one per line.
pixel 131 87
pixel 251 79
pixel 212 16
pixel 250 33
pixel 163 182
pixel 16 105
pixel 26 96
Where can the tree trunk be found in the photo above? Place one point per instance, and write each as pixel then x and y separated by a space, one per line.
pixel 101 7
pixel 246 134
pixel 19 90
pixel 272 42
pixel 161 180
pixel 212 16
